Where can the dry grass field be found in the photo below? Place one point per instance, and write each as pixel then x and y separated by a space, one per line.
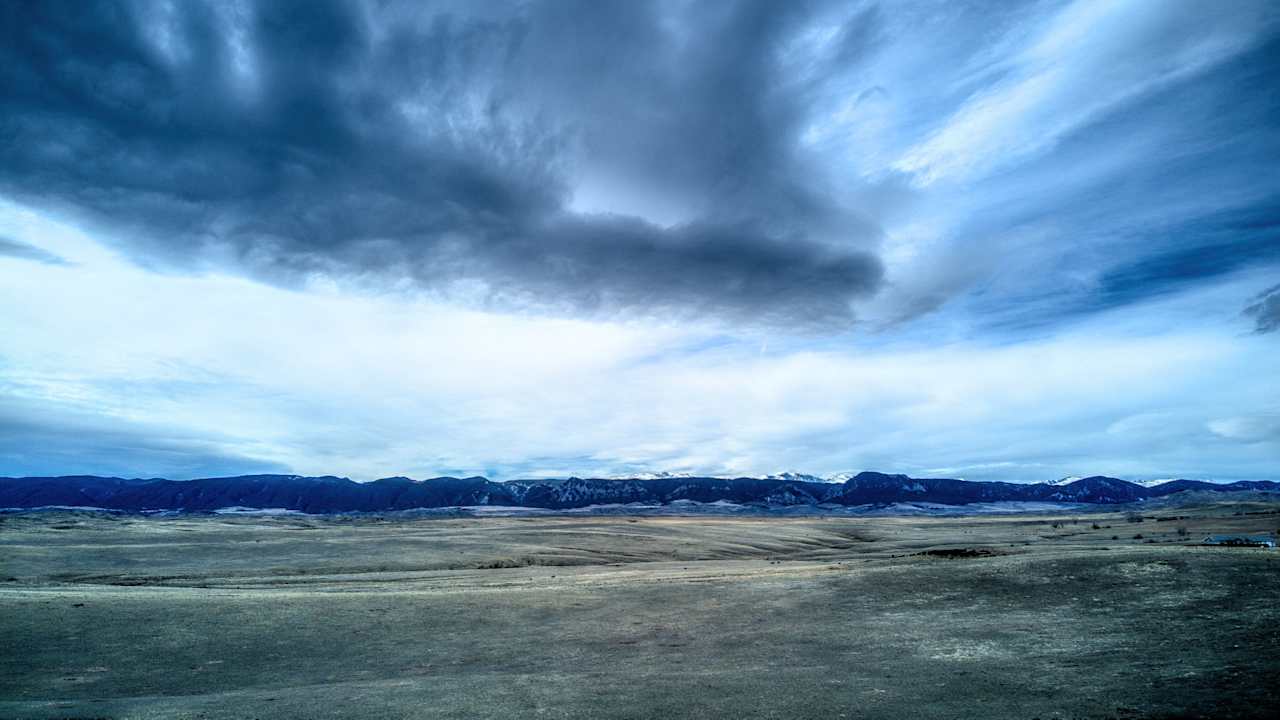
pixel 1066 616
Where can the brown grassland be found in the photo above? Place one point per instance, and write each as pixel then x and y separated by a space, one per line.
pixel 1046 616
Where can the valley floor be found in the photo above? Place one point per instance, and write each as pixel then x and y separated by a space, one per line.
pixel 1048 616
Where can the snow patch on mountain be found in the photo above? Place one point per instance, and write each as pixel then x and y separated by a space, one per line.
pixel 794 477
pixel 1152 483
pixel 238 510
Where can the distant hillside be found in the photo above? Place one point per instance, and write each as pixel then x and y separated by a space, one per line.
pixel 330 494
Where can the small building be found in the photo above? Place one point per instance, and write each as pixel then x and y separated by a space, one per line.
pixel 1265 541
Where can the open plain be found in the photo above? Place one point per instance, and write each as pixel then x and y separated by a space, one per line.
pixel 1091 615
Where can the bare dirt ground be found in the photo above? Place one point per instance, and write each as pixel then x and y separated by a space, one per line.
pixel 1069 616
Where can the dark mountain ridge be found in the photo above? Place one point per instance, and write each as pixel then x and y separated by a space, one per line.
pixel 329 494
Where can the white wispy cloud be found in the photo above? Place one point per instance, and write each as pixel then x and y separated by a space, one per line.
pixel 371 386
pixel 1089 59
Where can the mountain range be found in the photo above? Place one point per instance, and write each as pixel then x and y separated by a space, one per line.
pixel 329 494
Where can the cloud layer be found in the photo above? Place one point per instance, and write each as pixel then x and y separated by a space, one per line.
pixel 998 240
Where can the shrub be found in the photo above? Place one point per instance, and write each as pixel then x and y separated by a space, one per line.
pixel 1133 517
pixel 1096 526
pixel 1138 536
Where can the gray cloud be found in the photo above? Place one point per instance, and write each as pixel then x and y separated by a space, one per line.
pixel 444 146
pixel 1265 311
pixel 12 248
pixel 41 440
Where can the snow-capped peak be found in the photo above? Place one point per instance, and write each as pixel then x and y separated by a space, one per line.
pixel 1152 483
pixel 1065 481
pixel 794 477
pixel 660 475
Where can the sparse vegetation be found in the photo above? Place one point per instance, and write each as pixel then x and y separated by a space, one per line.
pixel 228 617
pixel 954 553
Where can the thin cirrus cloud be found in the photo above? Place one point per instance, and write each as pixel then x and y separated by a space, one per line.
pixel 1014 241
pixel 1265 310
pixel 1125 145
pixel 1085 61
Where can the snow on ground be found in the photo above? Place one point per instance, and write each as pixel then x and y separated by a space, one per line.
pixel 991 508
pixel 78 508
pixel 237 510
pixel 677 507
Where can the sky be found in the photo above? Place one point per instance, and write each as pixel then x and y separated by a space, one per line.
pixel 990 240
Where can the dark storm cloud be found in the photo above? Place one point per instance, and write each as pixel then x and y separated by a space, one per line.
pixel 385 142
pixel 12 248
pixel 1265 311
pixel 728 268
